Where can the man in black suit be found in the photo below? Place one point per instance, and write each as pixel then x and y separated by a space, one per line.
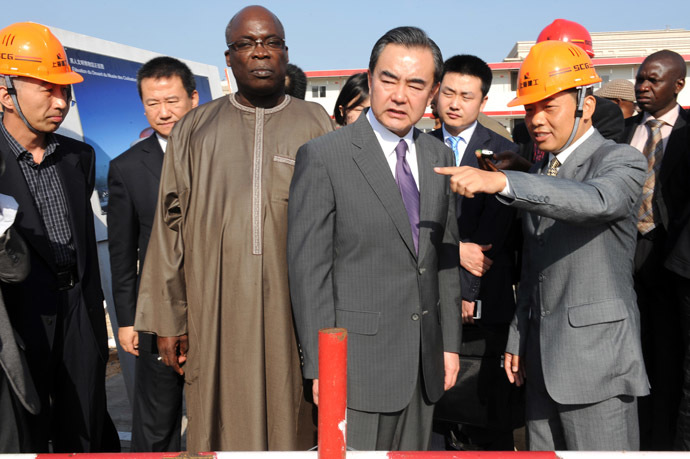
pixel 661 258
pixel 486 248
pixel 167 90
pixel 57 311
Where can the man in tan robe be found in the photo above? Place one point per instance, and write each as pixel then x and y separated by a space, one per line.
pixel 214 286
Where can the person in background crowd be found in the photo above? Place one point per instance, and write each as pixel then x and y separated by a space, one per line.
pixel 353 98
pixel 486 249
pixel 575 335
pixel 662 257
pixel 620 92
pixel 295 82
pixel 57 311
pixel 214 286
pixel 168 91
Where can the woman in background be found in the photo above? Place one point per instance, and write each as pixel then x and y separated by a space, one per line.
pixel 353 98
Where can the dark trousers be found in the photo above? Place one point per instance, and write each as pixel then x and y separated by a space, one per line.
pixel 15 434
pixel 157 405
pixel 405 430
pixel 70 380
pixel 682 291
pixel 662 345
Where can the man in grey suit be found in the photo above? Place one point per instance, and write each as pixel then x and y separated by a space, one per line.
pixel 373 248
pixel 576 323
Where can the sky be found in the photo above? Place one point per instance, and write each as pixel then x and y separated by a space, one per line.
pixel 330 35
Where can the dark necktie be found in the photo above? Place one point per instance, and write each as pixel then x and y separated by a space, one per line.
pixel 408 190
pixel 654 152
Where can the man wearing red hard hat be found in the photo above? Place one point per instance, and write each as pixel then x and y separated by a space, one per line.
pixel 57 311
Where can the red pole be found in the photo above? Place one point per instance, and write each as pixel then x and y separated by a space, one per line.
pixel 332 393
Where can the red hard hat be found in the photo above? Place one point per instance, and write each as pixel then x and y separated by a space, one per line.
pixel 569 31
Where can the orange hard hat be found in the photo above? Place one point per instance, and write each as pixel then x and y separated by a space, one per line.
pixel 552 67
pixel 31 50
pixel 568 31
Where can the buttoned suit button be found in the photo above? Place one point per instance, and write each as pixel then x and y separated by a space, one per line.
pixel 546 199
pixel 541 277
pixel 415 316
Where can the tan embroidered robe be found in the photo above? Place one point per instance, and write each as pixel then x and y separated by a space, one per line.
pixel 216 269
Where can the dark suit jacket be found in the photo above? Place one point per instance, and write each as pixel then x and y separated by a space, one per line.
pixel 14 267
pixel 133 180
pixel 33 303
pixel 483 220
pixel 672 193
pixel 607 119
pixel 352 264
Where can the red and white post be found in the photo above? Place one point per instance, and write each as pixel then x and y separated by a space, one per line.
pixel 332 393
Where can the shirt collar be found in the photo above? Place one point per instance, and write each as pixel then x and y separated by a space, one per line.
pixel 670 117
pixel 465 135
pixel 18 149
pixel 563 156
pixel 386 138
pixel 162 141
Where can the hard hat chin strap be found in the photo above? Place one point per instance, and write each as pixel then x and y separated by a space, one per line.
pixel 13 94
pixel 581 94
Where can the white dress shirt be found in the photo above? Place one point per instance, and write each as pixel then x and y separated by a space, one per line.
pixel 464 136
pixel 389 141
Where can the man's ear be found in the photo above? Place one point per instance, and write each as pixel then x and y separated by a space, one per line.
pixel 5 99
pixel 588 107
pixel 433 92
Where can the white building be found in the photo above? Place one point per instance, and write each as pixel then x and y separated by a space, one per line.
pixel 617 55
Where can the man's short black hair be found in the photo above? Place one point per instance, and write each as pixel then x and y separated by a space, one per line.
pixel 166 67
pixel 409 37
pixel 466 64
pixel 296 82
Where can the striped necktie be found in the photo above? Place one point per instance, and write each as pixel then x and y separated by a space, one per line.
pixel 554 164
pixel 654 152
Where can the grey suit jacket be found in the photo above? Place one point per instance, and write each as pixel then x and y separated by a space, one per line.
pixel 352 264
pixel 576 289
pixel 14 267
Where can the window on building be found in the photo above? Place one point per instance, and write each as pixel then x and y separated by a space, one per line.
pixel 513 80
pixel 318 91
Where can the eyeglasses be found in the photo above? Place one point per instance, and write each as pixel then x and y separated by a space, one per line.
pixel 247 45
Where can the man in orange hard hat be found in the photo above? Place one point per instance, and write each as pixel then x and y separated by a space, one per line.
pixel 575 335
pixel 57 310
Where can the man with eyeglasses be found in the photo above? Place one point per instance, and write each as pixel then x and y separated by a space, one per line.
pixel 214 287
pixel 168 91
pixel 57 311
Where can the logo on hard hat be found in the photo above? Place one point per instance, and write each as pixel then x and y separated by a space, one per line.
pixel 60 62
pixel 528 81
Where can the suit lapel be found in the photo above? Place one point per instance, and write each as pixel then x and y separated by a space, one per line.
pixel 477 142
pixel 69 169
pixel 372 163
pixel 28 220
pixel 570 169
pixel 428 196
pixel 676 148
pixel 153 157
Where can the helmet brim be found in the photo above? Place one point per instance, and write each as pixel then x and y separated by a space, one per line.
pixel 64 78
